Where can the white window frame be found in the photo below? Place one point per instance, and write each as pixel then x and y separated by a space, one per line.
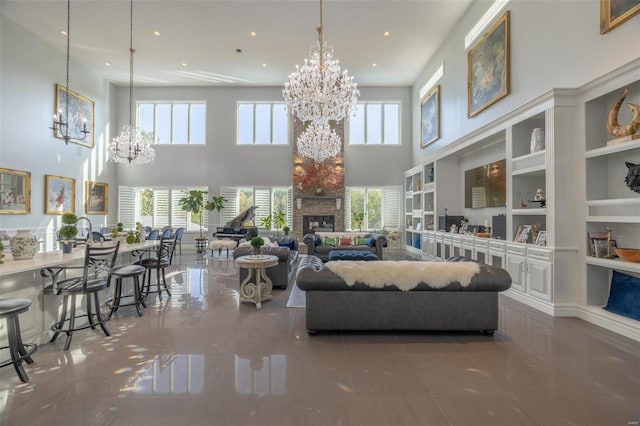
pixel 271 142
pixel 363 105
pixel 265 203
pixel 173 104
pixel 391 208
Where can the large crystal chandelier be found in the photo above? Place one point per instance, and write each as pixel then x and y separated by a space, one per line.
pixel 132 146
pixel 319 142
pixel 320 92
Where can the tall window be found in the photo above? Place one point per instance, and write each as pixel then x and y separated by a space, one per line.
pixel 158 207
pixel 269 200
pixel 379 208
pixel 375 123
pixel 176 123
pixel 262 123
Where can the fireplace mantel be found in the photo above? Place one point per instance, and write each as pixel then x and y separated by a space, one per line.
pixel 337 198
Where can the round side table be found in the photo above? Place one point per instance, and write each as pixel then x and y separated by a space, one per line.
pixel 256 288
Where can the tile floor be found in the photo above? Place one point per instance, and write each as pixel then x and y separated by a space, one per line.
pixel 204 359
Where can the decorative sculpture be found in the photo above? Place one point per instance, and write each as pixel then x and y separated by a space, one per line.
pixel 616 129
pixel 633 176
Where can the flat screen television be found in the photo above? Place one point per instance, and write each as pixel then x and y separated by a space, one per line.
pixel 486 186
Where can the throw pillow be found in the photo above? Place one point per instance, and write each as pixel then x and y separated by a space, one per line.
pixel 361 241
pixel 624 296
pixel 289 243
pixel 330 241
pixel 318 240
pixel 346 241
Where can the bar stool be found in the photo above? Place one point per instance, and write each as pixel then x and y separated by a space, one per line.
pixel 10 309
pixel 96 276
pixel 121 273
pixel 165 254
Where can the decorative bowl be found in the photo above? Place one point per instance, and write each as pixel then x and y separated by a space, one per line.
pixel 629 254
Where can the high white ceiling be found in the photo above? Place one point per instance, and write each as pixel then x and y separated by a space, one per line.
pixel 205 35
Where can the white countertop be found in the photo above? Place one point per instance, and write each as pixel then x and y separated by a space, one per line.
pixel 53 258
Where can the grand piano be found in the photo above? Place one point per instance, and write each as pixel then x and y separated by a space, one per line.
pixel 235 229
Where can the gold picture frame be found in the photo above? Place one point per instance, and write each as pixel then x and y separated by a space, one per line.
pixel 59 194
pixel 80 109
pixel 15 191
pixel 488 67
pixel 430 117
pixel 616 12
pixel 96 197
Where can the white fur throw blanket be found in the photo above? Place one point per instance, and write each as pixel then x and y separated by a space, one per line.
pixel 404 274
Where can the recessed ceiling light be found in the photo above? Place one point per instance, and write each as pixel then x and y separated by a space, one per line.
pixel 264 65
pixel 184 64
pixel 253 33
pixel 156 33
pixel 374 65
pixel 386 34
pixel 63 32
pixel 107 64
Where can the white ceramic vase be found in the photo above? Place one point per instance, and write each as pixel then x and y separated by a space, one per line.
pixel 23 245
pixel 537 140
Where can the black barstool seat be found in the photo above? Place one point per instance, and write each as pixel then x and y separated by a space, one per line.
pixel 159 263
pixel 121 273
pixel 10 309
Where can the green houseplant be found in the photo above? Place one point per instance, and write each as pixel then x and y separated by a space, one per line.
pixel 286 230
pixel 256 243
pixel 68 231
pixel 279 220
pixel 265 222
pixel 196 204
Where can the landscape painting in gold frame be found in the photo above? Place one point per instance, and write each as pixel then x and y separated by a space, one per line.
pixel 430 117
pixel 615 12
pixel 96 198
pixel 60 194
pixel 488 78
pixel 81 111
pixel 15 192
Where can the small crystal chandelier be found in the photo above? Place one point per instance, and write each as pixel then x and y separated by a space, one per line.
pixel 319 142
pixel 132 146
pixel 319 91
pixel 61 128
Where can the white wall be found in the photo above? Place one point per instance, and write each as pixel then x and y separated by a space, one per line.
pixel 29 70
pixel 554 44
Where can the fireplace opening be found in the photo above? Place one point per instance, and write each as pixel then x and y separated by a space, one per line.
pixel 318 224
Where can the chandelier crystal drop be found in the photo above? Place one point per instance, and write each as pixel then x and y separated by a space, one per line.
pixel 318 90
pixel 319 142
pixel 133 145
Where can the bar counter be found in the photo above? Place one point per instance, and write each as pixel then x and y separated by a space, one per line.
pixel 21 278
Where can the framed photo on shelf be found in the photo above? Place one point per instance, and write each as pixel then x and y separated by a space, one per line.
pixel 15 192
pixel 60 194
pixel 430 117
pixel 593 236
pixel 96 198
pixel 602 248
pixel 81 112
pixel 522 236
pixel 616 12
pixel 541 238
pixel 488 67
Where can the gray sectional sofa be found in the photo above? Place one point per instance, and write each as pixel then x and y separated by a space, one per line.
pixel 314 242
pixel 334 305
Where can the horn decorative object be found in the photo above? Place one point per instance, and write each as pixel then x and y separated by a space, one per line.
pixel 614 128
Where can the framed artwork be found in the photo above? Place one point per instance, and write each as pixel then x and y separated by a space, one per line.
pixel 430 117
pixel 541 239
pixel 81 112
pixel 488 67
pixel 60 194
pixel 523 234
pixel 615 12
pixel 601 247
pixel 593 236
pixel 15 192
pixel 96 198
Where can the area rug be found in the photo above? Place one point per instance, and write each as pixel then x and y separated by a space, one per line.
pixel 297 298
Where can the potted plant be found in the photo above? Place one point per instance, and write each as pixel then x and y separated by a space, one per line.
pixel 196 204
pixel 68 232
pixel 256 243
pixel 131 237
pixel 265 222
pixel 279 220
pixel 286 230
